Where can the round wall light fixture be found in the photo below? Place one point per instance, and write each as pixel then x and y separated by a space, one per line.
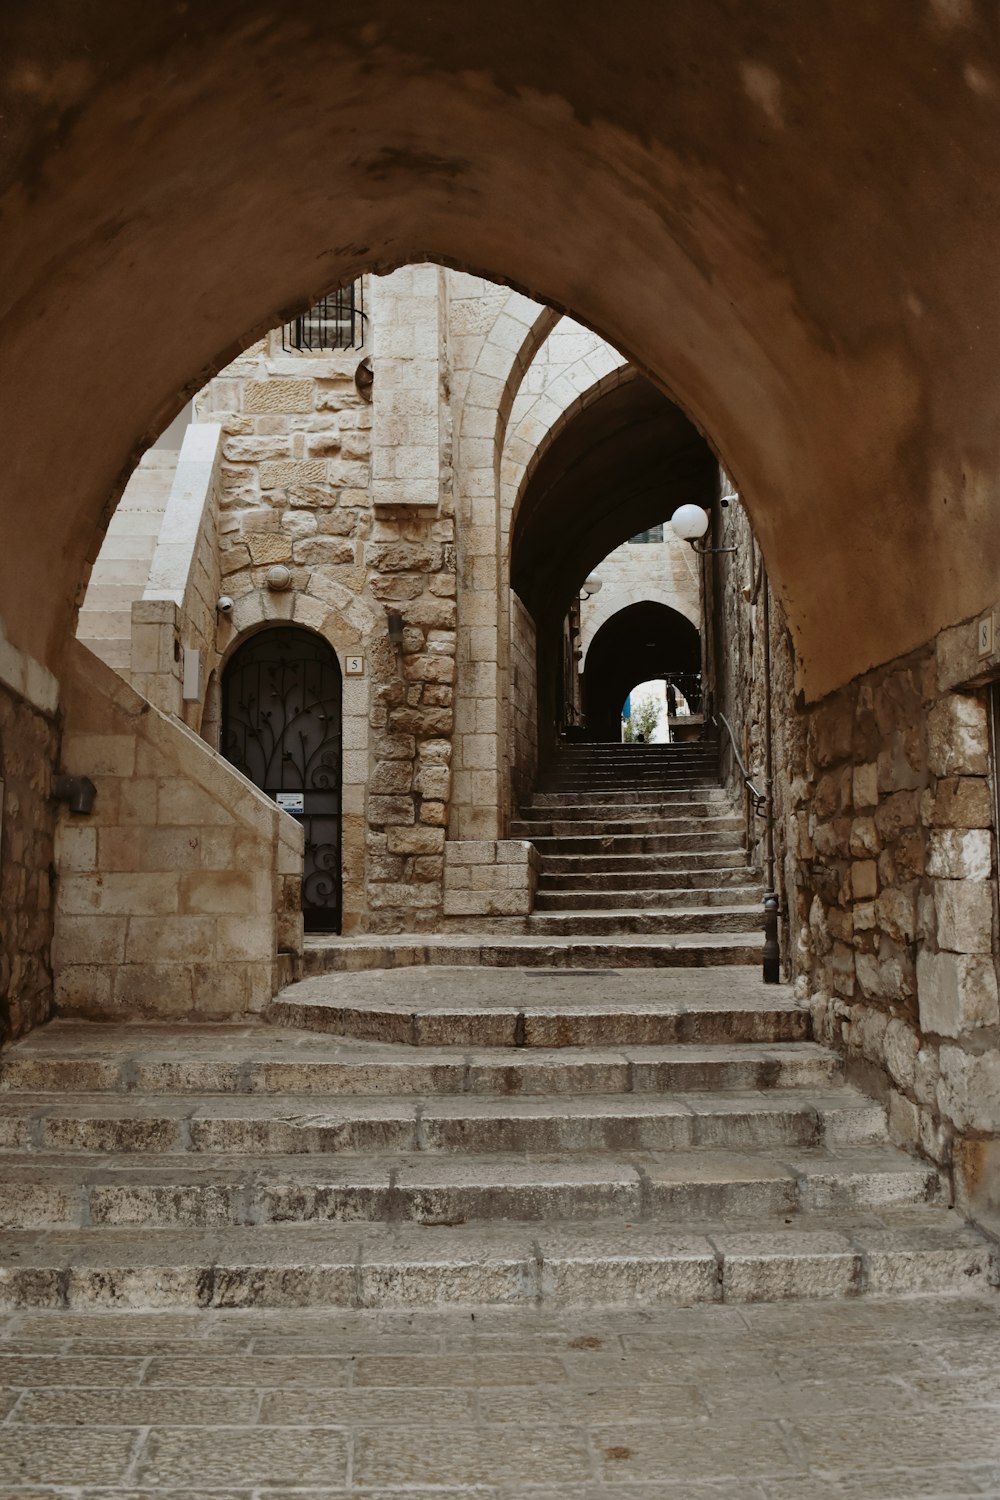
pixel 689 522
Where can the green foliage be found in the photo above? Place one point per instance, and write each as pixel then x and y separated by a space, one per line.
pixel 643 720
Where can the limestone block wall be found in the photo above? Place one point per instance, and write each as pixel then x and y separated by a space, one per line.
pixel 664 572
pixel 490 878
pixel 121 571
pixel 28 750
pixel 179 895
pixel 177 610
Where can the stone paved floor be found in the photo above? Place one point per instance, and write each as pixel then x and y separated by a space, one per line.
pixel 891 1400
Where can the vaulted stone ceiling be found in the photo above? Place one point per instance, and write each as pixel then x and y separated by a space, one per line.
pixel 621 465
pixel 787 214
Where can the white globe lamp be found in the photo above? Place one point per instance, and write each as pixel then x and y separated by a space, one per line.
pixel 689 522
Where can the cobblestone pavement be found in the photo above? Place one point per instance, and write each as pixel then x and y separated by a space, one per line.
pixel 890 1399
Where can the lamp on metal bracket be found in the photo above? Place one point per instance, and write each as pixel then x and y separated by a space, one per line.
pixel 691 522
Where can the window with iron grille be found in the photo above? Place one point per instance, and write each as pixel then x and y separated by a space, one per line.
pixel 335 322
pixel 654 534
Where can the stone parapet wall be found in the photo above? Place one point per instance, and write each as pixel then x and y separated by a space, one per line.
pixel 179 894
pixel 490 877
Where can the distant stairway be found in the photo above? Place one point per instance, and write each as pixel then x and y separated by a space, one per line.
pixel 641 839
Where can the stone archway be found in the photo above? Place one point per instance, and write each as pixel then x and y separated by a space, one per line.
pixel 845 403
pixel 646 640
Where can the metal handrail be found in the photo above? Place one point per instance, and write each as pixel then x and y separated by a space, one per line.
pixel 757 797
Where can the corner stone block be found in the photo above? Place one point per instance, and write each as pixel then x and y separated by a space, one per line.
pixel 969 1089
pixel 957 736
pixel 960 853
pixel 964 916
pixel 956 992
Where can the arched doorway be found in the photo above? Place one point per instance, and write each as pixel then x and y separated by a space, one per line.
pixel 644 641
pixel 281 726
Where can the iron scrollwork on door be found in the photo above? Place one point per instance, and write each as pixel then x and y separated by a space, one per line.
pixel 282 728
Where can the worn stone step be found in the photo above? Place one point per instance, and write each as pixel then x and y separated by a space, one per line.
pixel 548 827
pixel 152 1191
pixel 595 804
pixel 649 786
pixel 101 1062
pixel 683 844
pixel 545 1008
pixel 658 919
pixel 227 1124
pixel 614 864
pixel 528 952
pixel 611 1261
pixel 747 894
pixel 650 880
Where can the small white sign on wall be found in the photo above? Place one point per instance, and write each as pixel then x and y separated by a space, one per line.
pixel 984 635
pixel 354 666
pixel 291 802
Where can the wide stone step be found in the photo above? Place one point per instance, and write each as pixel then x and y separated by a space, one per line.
pixel 614 864
pixel 102 1062
pixel 594 789
pixel 545 1007
pixel 616 1261
pixel 651 785
pixel 593 804
pixel 558 827
pixel 700 842
pixel 234 1125
pixel 664 919
pixel 583 880
pixel 150 1191
pixel 747 894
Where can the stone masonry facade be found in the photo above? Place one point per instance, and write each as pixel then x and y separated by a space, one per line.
pixel 885 854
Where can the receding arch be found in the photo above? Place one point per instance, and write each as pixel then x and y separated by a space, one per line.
pixel 645 641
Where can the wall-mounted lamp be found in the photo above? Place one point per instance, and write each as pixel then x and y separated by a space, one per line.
pixel 394 620
pixel 590 587
pixel 78 791
pixel 691 522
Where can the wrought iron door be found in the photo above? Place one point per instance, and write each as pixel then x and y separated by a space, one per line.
pixel 281 726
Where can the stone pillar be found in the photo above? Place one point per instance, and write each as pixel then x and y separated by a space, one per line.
pixel 410 559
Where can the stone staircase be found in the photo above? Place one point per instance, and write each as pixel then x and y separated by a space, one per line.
pixel 578 1118
pixel 639 839
pixel 464 1136
pixel 642 864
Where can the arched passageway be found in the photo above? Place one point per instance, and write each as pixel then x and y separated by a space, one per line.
pixel 620 465
pixel 844 362
pixel 638 644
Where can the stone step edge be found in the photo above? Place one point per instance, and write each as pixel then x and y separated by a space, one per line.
pixel 626 950
pixel 113 1078
pixel 375 1266
pixel 316 1112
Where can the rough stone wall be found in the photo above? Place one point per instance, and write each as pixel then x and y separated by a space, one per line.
pixel 523 701
pixel 363 530
pixel 28 748
pixel 886 867
pixel 897 891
